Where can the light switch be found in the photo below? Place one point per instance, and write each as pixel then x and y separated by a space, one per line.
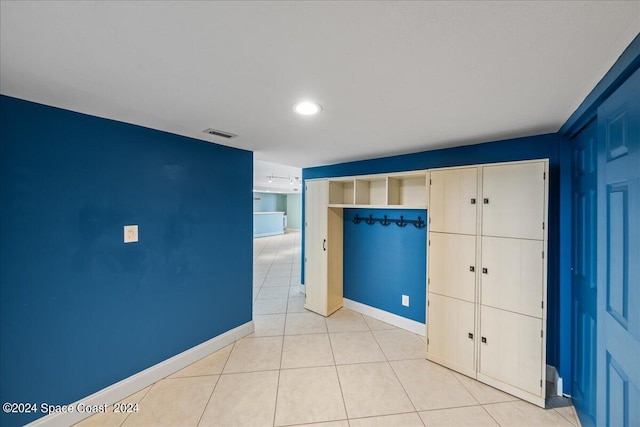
pixel 130 233
pixel 405 300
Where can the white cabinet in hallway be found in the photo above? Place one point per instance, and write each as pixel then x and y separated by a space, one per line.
pixel 486 314
pixel 323 250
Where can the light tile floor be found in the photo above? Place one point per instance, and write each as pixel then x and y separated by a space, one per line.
pixel 300 368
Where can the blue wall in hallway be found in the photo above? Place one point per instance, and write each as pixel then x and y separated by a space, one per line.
pixel 81 310
pixel 382 263
pixel 534 147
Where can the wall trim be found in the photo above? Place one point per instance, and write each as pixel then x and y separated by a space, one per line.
pixel 385 316
pixel 142 379
pixel 276 233
pixel 556 379
pixel 625 65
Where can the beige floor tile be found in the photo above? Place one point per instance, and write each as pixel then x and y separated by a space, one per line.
pixel 377 325
pixel 295 280
pixel 296 305
pixel 431 386
pixel 174 402
pixel 309 395
pixel 372 389
pixel 401 420
pixel 470 416
pixel 267 325
pixel 270 306
pixel 243 400
pixel 569 413
pixel 276 281
pixel 279 273
pixel 294 292
pixel 111 418
pixel 272 292
pixel 521 413
pixel 342 423
pixel 399 344
pixel 209 365
pixel 482 392
pixel 255 354
pixel 305 323
pixel 345 320
pixel 355 347
pixel 305 351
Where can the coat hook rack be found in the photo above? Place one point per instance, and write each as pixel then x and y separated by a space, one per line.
pixel 417 223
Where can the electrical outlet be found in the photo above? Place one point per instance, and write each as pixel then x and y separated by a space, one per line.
pixel 405 300
pixel 130 233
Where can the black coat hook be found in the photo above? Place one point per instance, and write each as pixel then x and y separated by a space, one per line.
pixel 401 222
pixel 356 219
pixel 384 221
pixel 370 220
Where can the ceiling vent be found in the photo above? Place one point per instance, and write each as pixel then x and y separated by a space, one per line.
pixel 220 133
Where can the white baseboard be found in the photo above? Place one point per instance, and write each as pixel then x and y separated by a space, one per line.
pixel 274 233
pixel 554 377
pixel 128 386
pixel 385 316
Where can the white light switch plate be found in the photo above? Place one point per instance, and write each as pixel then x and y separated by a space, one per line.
pixel 405 300
pixel 130 233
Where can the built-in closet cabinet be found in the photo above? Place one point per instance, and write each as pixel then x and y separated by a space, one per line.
pixel 486 298
pixel 323 247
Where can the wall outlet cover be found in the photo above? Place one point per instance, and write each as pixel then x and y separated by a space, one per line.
pixel 130 233
pixel 405 300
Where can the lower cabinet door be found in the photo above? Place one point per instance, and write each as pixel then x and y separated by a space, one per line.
pixel 451 333
pixel 511 349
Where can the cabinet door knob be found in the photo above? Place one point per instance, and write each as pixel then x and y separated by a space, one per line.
pixel 473 201
pixel 470 335
pixel 472 268
pixel 485 271
pixel 324 243
pixel 484 340
pixel 486 201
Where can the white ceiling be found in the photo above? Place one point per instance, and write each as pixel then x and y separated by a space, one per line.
pixel 284 179
pixel 393 77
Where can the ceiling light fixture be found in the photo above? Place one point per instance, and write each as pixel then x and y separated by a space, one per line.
pixel 307 108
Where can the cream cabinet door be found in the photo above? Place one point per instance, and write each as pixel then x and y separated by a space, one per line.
pixel 451 326
pixel 452 259
pixel 511 348
pixel 315 276
pixel 513 200
pixel 453 200
pixel 512 275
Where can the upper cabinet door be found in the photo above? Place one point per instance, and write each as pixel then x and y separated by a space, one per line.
pixel 513 200
pixel 453 200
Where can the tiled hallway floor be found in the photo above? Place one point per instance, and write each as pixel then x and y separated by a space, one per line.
pixel 300 368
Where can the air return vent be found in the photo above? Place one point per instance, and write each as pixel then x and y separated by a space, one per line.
pixel 220 133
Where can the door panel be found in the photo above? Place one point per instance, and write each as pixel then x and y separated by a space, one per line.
pixel 315 278
pixel 513 201
pixel 452 210
pixel 451 259
pixel 512 275
pixel 512 352
pixel 583 278
pixel 618 257
pixel 450 323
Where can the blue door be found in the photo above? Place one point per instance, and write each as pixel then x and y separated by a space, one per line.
pixel 618 257
pixel 583 269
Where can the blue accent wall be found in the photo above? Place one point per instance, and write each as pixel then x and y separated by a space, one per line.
pixel 533 147
pixel 382 263
pixel 81 310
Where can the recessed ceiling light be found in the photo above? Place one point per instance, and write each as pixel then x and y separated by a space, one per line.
pixel 307 108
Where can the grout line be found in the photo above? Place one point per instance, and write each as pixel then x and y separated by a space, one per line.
pixel 139 402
